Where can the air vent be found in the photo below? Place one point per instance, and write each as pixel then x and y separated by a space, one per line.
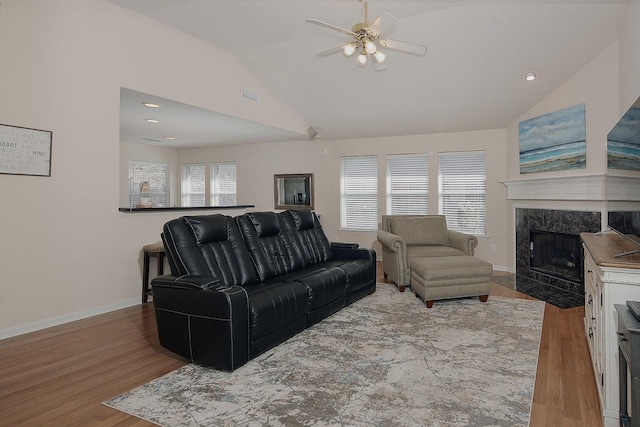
pixel 151 139
pixel 250 94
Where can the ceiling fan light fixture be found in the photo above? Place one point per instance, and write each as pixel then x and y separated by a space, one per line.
pixel 367 39
pixel 362 59
pixel 349 49
pixel 380 57
pixel 369 46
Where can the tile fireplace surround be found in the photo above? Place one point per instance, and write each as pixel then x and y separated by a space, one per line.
pixel 556 221
pixel 569 205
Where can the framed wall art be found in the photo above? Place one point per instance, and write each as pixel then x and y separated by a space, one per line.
pixel 554 141
pixel 25 151
pixel 623 141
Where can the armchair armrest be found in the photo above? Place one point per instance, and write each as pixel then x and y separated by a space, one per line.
pixel 203 320
pixel 462 241
pixel 392 242
pixel 394 258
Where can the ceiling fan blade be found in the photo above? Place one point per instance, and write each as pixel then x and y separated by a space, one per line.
pixel 383 23
pixel 412 48
pixel 331 50
pixel 330 26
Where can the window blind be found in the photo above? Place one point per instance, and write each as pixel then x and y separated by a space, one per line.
pixel 156 174
pixel 193 185
pixel 359 192
pixel 223 184
pixel 462 190
pixel 408 184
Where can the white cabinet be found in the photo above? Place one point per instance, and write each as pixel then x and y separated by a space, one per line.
pixel 608 281
pixel 593 315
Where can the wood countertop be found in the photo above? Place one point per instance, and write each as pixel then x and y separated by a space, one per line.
pixel 604 246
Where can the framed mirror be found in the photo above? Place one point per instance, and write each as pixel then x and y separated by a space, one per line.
pixel 293 191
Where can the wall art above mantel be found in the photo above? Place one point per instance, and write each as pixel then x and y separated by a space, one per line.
pixel 554 141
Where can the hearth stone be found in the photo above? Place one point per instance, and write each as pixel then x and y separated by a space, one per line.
pixel 553 295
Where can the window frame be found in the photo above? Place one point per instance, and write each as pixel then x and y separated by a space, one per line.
pixel 186 193
pixel 215 191
pixel 160 188
pixel 470 192
pixel 416 186
pixel 354 193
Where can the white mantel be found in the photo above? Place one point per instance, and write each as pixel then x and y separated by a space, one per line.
pixel 584 187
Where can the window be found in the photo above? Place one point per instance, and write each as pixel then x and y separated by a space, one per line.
pixel 463 196
pixel 156 174
pixel 359 193
pixel 223 184
pixel 193 180
pixel 408 184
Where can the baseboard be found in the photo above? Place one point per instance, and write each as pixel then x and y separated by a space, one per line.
pixel 502 268
pixel 66 318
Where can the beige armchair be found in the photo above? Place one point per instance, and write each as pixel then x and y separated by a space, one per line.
pixel 404 237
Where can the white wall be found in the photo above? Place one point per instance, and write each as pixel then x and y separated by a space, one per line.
pixel 596 85
pixel 258 163
pixel 66 251
pixel 630 57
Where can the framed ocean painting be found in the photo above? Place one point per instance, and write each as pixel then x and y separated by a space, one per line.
pixel 554 141
pixel 623 142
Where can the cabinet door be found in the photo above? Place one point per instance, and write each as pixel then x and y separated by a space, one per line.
pixel 590 309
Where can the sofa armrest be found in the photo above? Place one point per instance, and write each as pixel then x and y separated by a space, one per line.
pixel 352 251
pixel 203 320
pixel 462 241
pixel 337 245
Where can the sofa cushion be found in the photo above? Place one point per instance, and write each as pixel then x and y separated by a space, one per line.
pixel 266 223
pixel 432 251
pixel 272 254
pixel 208 245
pixel 428 230
pixel 273 305
pixel 208 228
pixel 308 236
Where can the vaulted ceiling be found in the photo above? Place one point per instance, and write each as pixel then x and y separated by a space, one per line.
pixel 470 79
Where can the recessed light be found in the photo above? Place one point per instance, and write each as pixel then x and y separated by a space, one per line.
pixel 151 105
pixel 170 138
pixel 530 76
pixel 152 121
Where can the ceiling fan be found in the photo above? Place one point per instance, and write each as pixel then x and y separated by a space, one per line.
pixel 368 38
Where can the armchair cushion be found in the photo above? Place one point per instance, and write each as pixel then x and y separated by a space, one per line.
pixel 427 230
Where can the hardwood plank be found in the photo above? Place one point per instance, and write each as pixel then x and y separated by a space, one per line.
pixel 60 376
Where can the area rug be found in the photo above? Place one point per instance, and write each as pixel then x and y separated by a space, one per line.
pixel 385 360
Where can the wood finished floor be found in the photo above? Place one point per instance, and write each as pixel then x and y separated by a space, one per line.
pixel 60 376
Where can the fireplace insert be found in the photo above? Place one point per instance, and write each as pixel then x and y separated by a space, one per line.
pixel 556 254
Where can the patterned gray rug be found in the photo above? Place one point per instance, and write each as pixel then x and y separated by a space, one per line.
pixel 385 360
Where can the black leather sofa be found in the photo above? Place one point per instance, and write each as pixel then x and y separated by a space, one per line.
pixel 240 286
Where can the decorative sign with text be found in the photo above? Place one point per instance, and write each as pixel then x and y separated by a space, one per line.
pixel 25 151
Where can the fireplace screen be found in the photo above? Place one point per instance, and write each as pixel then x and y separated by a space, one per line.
pixel 556 254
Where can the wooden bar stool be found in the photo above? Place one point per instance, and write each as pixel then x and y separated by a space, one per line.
pixel 155 250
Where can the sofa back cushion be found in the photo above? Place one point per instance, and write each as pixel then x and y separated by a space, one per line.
pixel 208 245
pixel 421 230
pixel 272 248
pixel 307 231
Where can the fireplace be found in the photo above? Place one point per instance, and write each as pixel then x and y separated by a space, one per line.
pixel 556 254
pixel 548 247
